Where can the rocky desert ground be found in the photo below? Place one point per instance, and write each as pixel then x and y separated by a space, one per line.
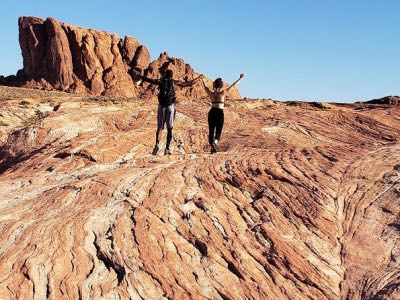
pixel 302 202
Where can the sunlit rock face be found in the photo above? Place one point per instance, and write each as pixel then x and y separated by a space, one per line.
pixel 59 56
pixel 301 202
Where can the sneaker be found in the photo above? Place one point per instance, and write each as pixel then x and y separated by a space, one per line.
pixel 214 148
pixel 167 152
pixel 155 150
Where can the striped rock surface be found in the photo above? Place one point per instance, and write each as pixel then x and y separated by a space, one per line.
pixel 301 202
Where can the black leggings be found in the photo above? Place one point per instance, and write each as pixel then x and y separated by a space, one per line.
pixel 215 124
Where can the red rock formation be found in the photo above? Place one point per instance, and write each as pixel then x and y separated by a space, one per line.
pixel 33 40
pixel 85 61
pixel 182 71
pixel 301 202
pixel 79 60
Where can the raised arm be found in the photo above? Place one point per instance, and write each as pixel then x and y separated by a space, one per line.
pixel 235 83
pixel 144 78
pixel 150 80
pixel 187 83
pixel 209 92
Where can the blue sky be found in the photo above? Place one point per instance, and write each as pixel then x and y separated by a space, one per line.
pixel 329 50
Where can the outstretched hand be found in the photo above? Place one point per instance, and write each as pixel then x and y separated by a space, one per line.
pixel 136 71
pixel 136 74
pixel 242 75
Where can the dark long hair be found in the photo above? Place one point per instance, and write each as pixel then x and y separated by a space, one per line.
pixel 218 84
pixel 168 74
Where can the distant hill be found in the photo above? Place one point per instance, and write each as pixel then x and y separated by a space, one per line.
pixel 391 100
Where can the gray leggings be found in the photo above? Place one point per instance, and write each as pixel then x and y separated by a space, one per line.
pixel 166 114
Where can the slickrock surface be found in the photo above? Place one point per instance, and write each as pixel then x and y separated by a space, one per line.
pixel 59 56
pixel 302 202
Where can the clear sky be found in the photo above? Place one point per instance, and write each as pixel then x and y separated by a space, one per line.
pixel 330 50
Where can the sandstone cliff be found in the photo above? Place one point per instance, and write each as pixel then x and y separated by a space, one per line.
pixel 302 202
pixel 58 56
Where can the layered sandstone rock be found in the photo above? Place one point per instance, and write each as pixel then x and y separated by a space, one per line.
pixel 301 202
pixel 69 58
pixel 85 61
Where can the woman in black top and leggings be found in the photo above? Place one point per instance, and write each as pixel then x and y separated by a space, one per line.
pixel 216 113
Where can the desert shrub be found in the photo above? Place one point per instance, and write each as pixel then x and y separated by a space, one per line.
pixel 25 103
